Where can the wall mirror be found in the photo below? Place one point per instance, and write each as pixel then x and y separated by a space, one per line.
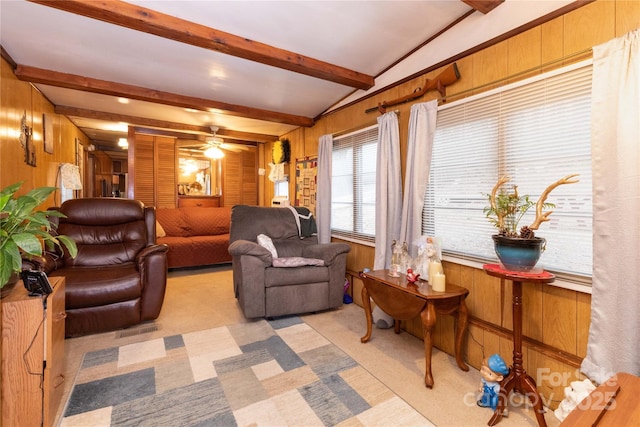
pixel 197 174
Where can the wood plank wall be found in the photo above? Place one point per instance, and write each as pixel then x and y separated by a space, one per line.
pixel 556 321
pixel 17 99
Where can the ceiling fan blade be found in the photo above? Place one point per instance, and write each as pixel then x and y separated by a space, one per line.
pixel 234 147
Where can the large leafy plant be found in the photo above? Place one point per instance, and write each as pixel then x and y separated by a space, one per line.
pixel 23 230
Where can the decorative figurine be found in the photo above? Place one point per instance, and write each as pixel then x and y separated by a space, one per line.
pixel 411 276
pixel 493 371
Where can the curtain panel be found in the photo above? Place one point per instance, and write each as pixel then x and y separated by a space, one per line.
pixel 323 193
pixel 388 189
pixel 422 127
pixel 614 335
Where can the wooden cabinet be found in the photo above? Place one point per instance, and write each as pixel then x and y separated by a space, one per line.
pixel 32 356
pixel 199 201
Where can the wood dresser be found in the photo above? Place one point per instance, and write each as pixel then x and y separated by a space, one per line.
pixel 199 201
pixel 32 355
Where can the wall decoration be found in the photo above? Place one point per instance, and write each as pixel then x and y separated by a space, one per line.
pixel 26 141
pixel 47 131
pixel 306 183
pixel 281 152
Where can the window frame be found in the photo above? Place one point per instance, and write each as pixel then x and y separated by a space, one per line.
pixel 360 139
pixel 579 279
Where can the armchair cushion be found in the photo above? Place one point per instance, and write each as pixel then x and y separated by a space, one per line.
pixel 297 261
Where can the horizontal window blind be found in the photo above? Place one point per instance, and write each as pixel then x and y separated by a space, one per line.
pixel 536 132
pixel 353 185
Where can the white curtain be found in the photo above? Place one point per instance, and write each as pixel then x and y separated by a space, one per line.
pixel 323 192
pixel 614 334
pixel 422 126
pixel 388 189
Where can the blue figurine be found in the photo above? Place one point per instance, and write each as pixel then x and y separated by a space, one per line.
pixel 493 371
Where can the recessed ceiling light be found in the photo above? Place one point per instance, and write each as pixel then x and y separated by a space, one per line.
pixel 117 127
pixel 124 100
pixel 190 110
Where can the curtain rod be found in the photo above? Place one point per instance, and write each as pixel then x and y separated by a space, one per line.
pixel 503 79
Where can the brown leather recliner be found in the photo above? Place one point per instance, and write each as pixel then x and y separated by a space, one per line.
pixel 119 276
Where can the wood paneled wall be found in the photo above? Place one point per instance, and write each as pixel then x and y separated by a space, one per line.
pixel 17 99
pixel 556 320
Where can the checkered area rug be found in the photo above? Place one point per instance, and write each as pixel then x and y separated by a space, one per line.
pixel 263 373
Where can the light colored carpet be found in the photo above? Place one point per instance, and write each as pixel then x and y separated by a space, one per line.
pixel 202 299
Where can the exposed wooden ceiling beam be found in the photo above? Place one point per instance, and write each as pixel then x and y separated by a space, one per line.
pixel 246 136
pixel 162 124
pixel 167 26
pixel 483 6
pixel 87 84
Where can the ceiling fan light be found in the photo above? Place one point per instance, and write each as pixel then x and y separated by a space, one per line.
pixel 214 153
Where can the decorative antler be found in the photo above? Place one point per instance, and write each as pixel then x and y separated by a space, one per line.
pixel 501 181
pixel 543 217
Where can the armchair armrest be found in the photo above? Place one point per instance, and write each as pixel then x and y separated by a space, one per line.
pixel 34 262
pixel 326 251
pixel 148 251
pixel 245 247
pixel 50 261
pixel 151 262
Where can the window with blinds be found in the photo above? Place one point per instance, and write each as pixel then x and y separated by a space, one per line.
pixel 536 132
pixel 353 185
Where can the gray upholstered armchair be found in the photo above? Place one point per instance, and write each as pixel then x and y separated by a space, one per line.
pixel 267 290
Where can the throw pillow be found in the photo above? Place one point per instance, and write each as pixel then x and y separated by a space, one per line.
pixel 266 242
pixel 159 230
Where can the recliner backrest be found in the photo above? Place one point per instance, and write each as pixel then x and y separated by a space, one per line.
pixel 249 221
pixel 107 231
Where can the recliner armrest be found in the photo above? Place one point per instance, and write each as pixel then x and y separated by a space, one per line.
pixel 246 247
pixel 148 251
pixel 326 251
pixel 51 261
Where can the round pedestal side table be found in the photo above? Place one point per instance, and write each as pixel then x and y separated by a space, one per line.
pixel 518 380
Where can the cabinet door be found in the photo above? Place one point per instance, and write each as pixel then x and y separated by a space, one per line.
pixel 153 170
pixel 240 185
pixel 22 358
pixel 141 175
pixel 166 184
pixel 54 356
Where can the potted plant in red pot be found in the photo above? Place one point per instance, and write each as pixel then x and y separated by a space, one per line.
pixel 518 248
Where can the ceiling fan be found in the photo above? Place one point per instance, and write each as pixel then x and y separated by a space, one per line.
pixel 214 145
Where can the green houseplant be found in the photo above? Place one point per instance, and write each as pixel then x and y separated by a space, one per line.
pixel 23 229
pixel 518 248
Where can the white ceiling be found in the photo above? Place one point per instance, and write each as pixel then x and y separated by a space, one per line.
pixel 364 36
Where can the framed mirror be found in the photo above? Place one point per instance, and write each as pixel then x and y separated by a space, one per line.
pixel 198 175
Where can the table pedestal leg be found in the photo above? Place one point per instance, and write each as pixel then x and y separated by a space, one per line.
pixel 367 312
pixel 463 318
pixel 518 380
pixel 428 316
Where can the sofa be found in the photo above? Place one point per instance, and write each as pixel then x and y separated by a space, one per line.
pixel 280 270
pixel 196 236
pixel 119 276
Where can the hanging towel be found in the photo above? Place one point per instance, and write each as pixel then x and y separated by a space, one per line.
pixel 70 177
pixel 305 221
